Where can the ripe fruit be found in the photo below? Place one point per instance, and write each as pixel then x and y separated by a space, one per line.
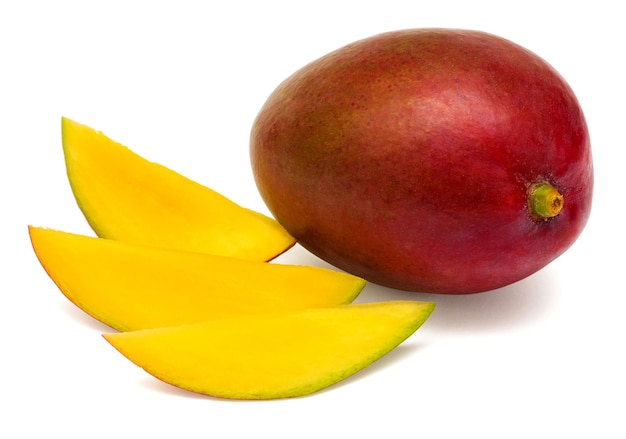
pixel 125 197
pixel 432 160
pixel 130 287
pixel 183 271
pixel 273 355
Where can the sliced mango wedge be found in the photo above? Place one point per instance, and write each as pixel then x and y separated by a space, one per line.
pixel 273 356
pixel 125 197
pixel 130 287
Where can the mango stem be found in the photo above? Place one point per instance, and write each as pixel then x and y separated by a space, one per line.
pixel 544 201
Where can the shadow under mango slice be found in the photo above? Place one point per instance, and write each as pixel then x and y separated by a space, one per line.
pixel 125 197
pixel 273 356
pixel 131 287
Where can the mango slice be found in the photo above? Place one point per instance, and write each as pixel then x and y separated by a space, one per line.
pixel 273 356
pixel 131 287
pixel 125 197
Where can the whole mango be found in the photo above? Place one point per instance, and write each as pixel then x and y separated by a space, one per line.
pixel 431 160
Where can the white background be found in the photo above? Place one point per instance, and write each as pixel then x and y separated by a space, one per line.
pixel 180 83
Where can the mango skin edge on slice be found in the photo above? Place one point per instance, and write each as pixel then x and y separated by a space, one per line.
pixel 125 197
pixel 273 356
pixel 130 287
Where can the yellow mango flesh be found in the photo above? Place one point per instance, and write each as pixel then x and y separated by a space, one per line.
pixel 273 356
pixel 125 197
pixel 130 287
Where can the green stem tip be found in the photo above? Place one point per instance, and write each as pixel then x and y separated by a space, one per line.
pixel 544 200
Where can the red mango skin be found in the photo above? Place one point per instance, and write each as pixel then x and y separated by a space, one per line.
pixel 406 159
